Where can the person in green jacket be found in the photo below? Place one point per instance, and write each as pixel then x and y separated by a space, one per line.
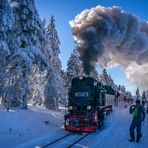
pixel 138 117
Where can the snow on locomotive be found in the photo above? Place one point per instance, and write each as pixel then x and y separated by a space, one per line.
pixel 87 102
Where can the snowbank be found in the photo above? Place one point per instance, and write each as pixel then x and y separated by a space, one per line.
pixel 20 126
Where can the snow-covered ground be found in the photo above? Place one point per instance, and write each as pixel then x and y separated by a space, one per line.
pixel 20 126
pixel 37 127
pixel 116 133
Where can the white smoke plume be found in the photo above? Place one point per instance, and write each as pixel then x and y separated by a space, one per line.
pixel 112 37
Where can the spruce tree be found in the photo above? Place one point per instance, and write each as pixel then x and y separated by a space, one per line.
pixel 53 57
pixel 137 94
pixel 143 96
pixel 74 68
pixel 29 41
pixel 6 29
pixel 26 42
pixel 104 77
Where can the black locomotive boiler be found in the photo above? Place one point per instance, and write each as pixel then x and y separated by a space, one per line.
pixel 88 101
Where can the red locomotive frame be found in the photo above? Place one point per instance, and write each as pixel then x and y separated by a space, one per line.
pixel 85 125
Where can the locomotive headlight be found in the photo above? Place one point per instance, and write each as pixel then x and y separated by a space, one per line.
pixel 70 108
pixel 88 107
pixel 81 77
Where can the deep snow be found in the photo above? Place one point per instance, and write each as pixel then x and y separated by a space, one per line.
pixel 27 129
pixel 20 126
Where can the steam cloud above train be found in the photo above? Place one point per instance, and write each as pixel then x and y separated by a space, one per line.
pixel 112 37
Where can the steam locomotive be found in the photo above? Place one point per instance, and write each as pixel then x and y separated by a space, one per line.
pixel 88 101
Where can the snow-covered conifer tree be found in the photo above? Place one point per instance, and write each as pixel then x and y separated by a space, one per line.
pixel 29 61
pixel 146 95
pixel 29 44
pixel 6 24
pixel 53 52
pixel 104 77
pixel 123 89
pixel 143 97
pixel 129 95
pixel 26 42
pixel 137 94
pixel 74 68
pixel 38 80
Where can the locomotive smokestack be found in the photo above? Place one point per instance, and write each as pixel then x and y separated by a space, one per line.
pixel 111 37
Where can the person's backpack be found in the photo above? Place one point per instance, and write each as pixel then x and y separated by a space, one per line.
pixel 139 113
pixel 131 109
pixel 136 112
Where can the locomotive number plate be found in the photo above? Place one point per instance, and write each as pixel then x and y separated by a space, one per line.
pixel 81 94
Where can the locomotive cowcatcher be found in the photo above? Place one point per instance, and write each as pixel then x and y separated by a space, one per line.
pixel 86 105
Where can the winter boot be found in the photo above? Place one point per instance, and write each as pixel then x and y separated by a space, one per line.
pixel 138 138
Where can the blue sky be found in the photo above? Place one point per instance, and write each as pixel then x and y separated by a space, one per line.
pixel 66 10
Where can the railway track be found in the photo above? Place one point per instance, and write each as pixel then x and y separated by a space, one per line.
pixel 55 141
pixel 71 145
pixel 64 137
